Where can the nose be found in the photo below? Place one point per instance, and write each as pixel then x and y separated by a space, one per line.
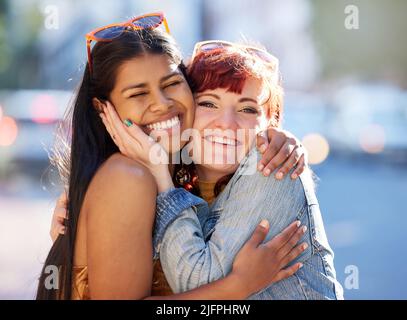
pixel 226 120
pixel 160 102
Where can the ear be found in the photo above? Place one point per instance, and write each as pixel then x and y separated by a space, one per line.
pixel 98 105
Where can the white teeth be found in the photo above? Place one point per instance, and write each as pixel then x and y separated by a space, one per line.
pixel 221 140
pixel 164 124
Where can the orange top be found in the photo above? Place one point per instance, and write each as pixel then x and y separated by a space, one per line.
pixel 80 284
pixel 207 190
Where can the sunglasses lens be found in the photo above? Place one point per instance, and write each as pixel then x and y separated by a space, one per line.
pixel 110 33
pixel 148 22
pixel 264 56
pixel 213 45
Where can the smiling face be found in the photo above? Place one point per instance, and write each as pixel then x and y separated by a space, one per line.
pixel 226 122
pixel 152 92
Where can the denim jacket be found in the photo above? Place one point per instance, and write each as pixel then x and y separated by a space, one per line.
pixel 197 243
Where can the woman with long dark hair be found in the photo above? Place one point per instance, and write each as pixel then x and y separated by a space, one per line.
pixel 106 251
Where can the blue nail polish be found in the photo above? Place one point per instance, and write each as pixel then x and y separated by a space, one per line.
pixel 128 122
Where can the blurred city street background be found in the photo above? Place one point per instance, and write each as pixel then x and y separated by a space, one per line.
pixel 345 81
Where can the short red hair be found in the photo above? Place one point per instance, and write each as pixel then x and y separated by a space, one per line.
pixel 228 68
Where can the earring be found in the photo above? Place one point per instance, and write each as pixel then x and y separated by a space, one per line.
pixel 183 176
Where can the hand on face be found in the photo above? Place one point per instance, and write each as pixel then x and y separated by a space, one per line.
pixel 131 140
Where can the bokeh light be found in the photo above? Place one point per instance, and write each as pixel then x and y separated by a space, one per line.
pixel 44 109
pixel 8 131
pixel 317 147
pixel 372 138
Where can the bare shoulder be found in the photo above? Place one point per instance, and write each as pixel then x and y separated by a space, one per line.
pixel 121 168
pixel 121 183
pixel 122 172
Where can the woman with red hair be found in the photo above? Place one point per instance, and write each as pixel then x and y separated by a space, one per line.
pixel 237 92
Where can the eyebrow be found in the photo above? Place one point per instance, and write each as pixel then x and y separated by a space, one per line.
pixel 248 100
pixel 135 86
pixel 217 97
pixel 143 85
pixel 208 94
pixel 175 73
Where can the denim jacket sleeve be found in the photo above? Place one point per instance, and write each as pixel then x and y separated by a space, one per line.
pixel 170 205
pixel 191 258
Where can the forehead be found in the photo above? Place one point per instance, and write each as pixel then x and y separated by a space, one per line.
pixel 253 88
pixel 147 68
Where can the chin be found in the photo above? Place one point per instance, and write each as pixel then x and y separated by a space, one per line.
pixel 223 169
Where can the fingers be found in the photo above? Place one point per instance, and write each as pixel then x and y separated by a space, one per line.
pixel 272 149
pixel 116 127
pixel 289 163
pixel 60 214
pixel 282 156
pixel 110 130
pixel 259 234
pixel 294 254
pixel 292 242
pixel 287 272
pixel 57 227
pixel 62 200
pixel 262 142
pixel 55 232
pixel 138 134
pixel 299 168
pixel 284 236
pixel 60 211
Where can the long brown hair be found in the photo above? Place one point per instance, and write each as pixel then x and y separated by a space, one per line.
pixel 80 151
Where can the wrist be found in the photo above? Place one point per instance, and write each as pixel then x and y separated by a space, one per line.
pixel 238 286
pixel 163 178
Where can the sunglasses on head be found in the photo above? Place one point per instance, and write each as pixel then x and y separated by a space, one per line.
pixel 210 45
pixel 112 31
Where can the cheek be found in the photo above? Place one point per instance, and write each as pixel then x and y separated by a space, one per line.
pixel 249 127
pixel 204 119
pixel 248 123
pixel 130 110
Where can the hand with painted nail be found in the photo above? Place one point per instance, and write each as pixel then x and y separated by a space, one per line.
pixel 58 217
pixel 260 264
pixel 284 150
pixel 135 144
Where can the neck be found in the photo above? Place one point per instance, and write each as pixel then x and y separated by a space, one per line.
pixel 208 175
pixel 172 158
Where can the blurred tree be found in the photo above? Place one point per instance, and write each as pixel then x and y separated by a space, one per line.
pixel 20 24
pixel 377 50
